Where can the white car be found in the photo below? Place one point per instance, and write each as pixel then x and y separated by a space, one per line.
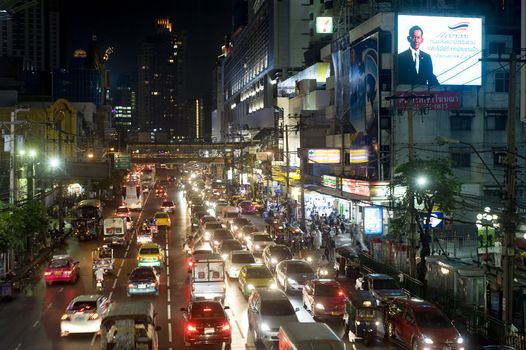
pixel 237 259
pixel 257 241
pixel 83 314
pixel 168 206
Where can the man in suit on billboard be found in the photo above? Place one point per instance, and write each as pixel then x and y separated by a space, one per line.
pixel 415 67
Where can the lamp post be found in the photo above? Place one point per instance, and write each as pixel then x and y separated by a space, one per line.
pixel 484 222
pixel 55 164
pixel 12 158
pixel 269 174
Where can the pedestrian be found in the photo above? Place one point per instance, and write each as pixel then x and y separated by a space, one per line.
pixel 317 239
pixel 342 226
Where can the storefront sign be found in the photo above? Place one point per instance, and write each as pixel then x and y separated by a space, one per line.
pixel 323 25
pixel 373 221
pixel 360 155
pixel 358 187
pixel 324 155
pixel 379 190
pixel 329 181
pixel 437 100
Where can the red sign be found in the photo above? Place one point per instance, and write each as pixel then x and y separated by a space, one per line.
pixel 358 187
pixel 438 100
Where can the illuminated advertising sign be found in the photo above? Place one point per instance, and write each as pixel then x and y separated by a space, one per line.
pixel 324 25
pixel 435 50
pixel 329 181
pixel 360 155
pixel 324 156
pixel 358 187
pixel 373 221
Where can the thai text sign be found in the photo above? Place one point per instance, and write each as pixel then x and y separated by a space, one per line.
pixel 440 100
pixel 358 187
pixel 324 155
pixel 329 181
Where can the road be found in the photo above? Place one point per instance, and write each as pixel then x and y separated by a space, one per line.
pixel 31 320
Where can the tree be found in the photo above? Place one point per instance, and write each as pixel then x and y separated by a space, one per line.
pixel 434 186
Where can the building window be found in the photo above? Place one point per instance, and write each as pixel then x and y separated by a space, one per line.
pixel 496 120
pixel 460 123
pixel 460 159
pixel 499 157
pixel 502 82
pixel 496 48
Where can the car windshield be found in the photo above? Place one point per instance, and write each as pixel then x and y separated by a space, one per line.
pixel 277 308
pixel 262 238
pixel 259 273
pixel 232 245
pixel 213 225
pixel 141 274
pixel 59 263
pixel 324 290
pixel 385 284
pixel 243 259
pixel 122 210
pixel 161 215
pixel 149 250
pixel 207 310
pixel 241 222
pixel 249 228
pixel 168 204
pixel 222 235
pixel 431 319
pixel 281 253
pixel 81 306
pixel 299 268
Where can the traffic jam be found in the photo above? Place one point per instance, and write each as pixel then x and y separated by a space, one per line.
pixel 246 280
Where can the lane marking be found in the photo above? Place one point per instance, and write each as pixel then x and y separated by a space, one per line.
pixel 114 284
pixel 18 346
pixel 170 332
pixel 61 289
pixel 109 296
pixel 167 280
pixel 239 329
pixel 167 270
pixel 168 294
pixel 93 339
pixel 119 272
pixel 122 263
pixel 167 262
pixel 169 312
pixel 167 253
pixel 49 306
pixel 35 324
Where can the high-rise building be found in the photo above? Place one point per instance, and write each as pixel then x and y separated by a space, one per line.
pixel 161 93
pixel 124 104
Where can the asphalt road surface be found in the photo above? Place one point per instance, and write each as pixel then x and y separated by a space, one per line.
pixel 32 319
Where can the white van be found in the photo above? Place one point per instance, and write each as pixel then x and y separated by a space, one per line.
pixel 115 230
pixel 229 213
pixel 312 336
pixel 208 278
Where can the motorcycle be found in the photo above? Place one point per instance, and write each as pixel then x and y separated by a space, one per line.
pixel 99 285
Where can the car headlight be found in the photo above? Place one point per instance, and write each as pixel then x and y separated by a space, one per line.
pixel 258 246
pixel 377 323
pixel 292 281
pixel 224 256
pixel 320 306
pixel 216 242
pixel 324 272
pixel 264 327
pixel 460 340
pixel 234 227
pixel 428 340
pixel 274 260
pixel 273 286
pixel 250 286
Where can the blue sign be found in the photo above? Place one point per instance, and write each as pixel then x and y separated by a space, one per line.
pixel 437 220
pixel 373 221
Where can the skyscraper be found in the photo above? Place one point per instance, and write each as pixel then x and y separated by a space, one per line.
pixel 161 92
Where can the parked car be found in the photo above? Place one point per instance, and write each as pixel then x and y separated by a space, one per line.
pixel 205 322
pixel 143 280
pixel 324 298
pixel 257 241
pixel 83 314
pixel 227 246
pixel 62 268
pixel 421 325
pixel 273 254
pixel 293 274
pixel 247 207
pixel 255 276
pixel 267 310
pixel 236 259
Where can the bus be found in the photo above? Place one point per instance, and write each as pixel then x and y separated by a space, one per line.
pixel 132 195
pixel 148 177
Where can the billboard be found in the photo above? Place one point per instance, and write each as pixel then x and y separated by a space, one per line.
pixel 436 50
pixel 357 99
pixel 324 155
pixel 373 221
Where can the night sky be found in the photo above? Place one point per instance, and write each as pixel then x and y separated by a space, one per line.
pixel 125 24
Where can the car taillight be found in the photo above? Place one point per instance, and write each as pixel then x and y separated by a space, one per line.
pixel 130 285
pixel 190 328
pixel 153 284
pixel 67 273
pixel 65 317
pixel 190 263
pixel 94 316
pixel 225 327
pixel 47 273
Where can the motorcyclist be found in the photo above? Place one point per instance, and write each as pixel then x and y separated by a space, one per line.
pixel 99 275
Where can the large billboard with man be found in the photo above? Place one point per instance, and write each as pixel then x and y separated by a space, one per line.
pixel 435 50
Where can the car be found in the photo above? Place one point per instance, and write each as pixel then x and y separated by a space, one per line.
pixel 160 192
pixel 168 206
pixel 421 325
pixel 162 220
pixel 236 259
pixel 122 211
pixel 210 227
pixel 239 222
pixel 150 254
pixel 206 322
pixel 83 314
pixel 129 222
pixel 245 230
pixel 61 268
pixel 257 241
pixel 382 287
pixel 267 310
pixel 247 207
pixel 206 218
pixel 227 246
pixel 293 274
pixel 195 254
pixel 324 298
pixel 143 280
pixel 144 236
pixel 220 235
pixel 255 276
pixel 273 254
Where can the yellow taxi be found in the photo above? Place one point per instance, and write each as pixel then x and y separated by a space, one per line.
pixel 150 254
pixel 162 220
pixel 255 276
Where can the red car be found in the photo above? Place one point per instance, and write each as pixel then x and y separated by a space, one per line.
pixel 123 211
pixel 205 322
pixel 324 298
pixel 62 268
pixel 422 325
pixel 247 207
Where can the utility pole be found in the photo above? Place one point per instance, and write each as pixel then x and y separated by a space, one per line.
pixel 58 126
pixel 411 193
pixel 302 188
pixel 287 180
pixel 12 153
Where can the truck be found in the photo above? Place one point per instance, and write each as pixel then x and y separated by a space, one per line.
pixel 312 336
pixel 88 219
pixel 208 278
pixel 115 230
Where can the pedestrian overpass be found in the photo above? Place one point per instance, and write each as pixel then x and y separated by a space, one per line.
pixel 214 153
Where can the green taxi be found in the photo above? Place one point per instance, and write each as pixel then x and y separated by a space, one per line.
pixel 255 276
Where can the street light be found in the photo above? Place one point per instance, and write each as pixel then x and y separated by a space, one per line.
pixel 421 181
pixel 269 174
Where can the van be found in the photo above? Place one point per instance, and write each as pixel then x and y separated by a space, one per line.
pixel 115 230
pixel 207 280
pixel 229 213
pixel 312 336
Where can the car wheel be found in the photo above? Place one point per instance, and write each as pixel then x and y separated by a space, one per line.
pixel 228 346
pixel 187 345
pixel 304 305
pixel 415 345
pixel 390 330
